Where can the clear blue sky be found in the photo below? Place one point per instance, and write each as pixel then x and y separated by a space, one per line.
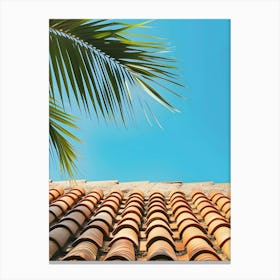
pixel 194 145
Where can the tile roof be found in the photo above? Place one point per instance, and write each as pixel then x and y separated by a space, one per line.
pixel 105 221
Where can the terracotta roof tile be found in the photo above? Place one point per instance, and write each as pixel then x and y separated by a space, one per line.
pixel 105 217
pixel 69 224
pixel 126 233
pixel 158 223
pixel 216 223
pixel 55 192
pixel 161 250
pixel 99 224
pixel 88 224
pixel 132 216
pixel 86 251
pixel 93 235
pixel 136 204
pixel 126 224
pixel 131 209
pixel 121 250
pixel 198 246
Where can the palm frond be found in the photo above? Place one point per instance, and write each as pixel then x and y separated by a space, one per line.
pixel 100 62
pixel 98 65
pixel 59 123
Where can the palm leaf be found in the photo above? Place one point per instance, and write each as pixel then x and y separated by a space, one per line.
pixel 60 135
pixel 98 65
pixel 103 65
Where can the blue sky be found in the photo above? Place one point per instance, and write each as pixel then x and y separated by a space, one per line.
pixel 193 145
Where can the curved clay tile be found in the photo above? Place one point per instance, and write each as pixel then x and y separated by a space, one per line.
pixel 218 196
pixel 226 248
pixel 157 216
pixel 185 217
pixel 194 233
pixel 106 209
pixel 198 246
pixel 135 199
pixel 54 193
pixel 156 194
pixel 158 223
pixel 60 236
pixel 126 233
pixel 203 205
pixel 222 234
pixel 132 216
pixel 135 204
pixel 198 196
pixel 56 211
pixel 220 219
pixel 183 212
pixel 158 202
pixel 135 196
pixel 206 257
pixel 156 209
pixel 222 201
pixel 185 224
pixel 51 197
pixel 97 191
pixel 196 193
pixel 161 250
pixel 82 209
pixel 87 203
pixel 61 204
pixel 131 209
pixel 212 194
pixel 66 199
pixel 201 200
pixel 80 189
pixel 226 207
pixel 113 198
pixel 101 225
pixel 159 233
pixel 126 224
pixel 71 225
pixel 85 251
pixel 228 214
pixel 209 209
pixel 214 225
pixel 103 216
pixel 176 192
pixel 121 250
pixel 95 197
pixel 77 216
pixel 58 189
pixel 94 200
pixel 210 214
pixel 93 235
pixel 110 203
pixel 179 199
pixel 180 204
pixel 52 218
pixel 75 194
pixel 136 192
pixel 53 248
pixel 116 193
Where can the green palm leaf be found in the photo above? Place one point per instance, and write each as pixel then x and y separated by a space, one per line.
pixel 59 121
pixel 103 64
pixel 97 65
